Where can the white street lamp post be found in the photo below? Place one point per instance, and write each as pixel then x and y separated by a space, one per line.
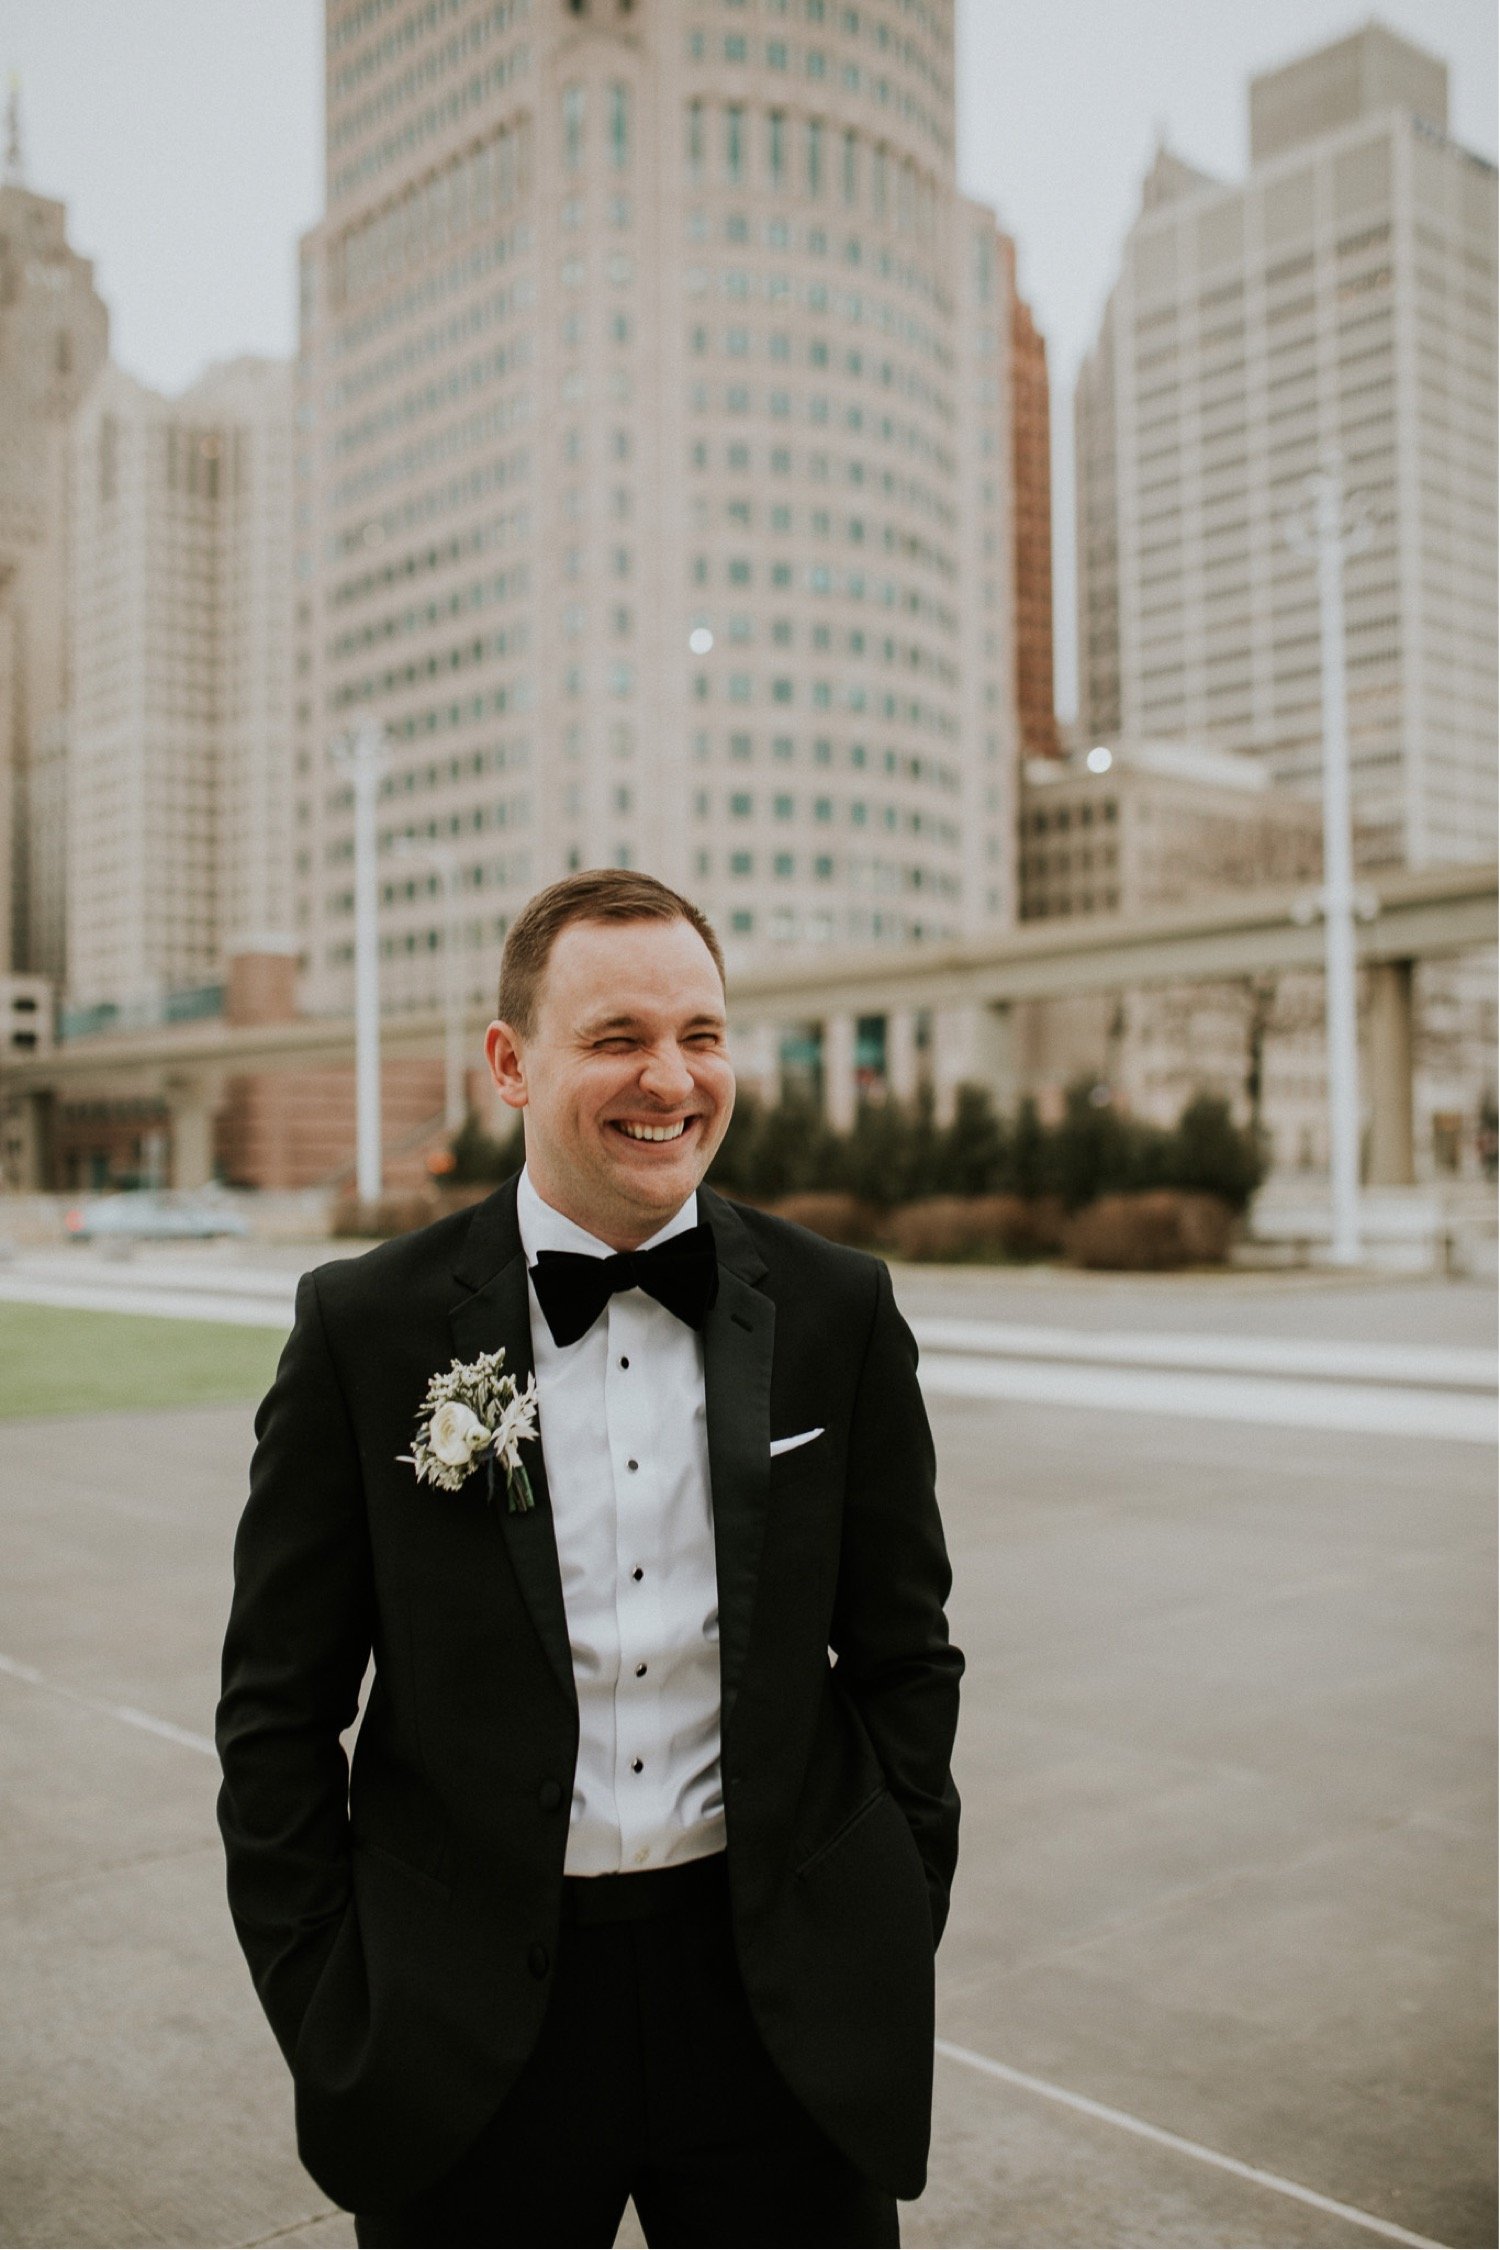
pixel 365 756
pixel 1324 534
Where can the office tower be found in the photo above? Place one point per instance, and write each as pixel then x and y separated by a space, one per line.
pixel 179 858
pixel 655 475
pixel 1340 300
pixel 1031 475
pixel 54 334
pixel 1150 827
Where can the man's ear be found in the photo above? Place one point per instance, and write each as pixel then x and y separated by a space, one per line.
pixel 502 1051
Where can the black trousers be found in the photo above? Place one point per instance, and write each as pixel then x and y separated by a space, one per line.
pixel 649 2080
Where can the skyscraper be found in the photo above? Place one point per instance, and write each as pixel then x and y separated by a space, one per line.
pixel 54 334
pixel 655 473
pixel 1341 300
pixel 179 852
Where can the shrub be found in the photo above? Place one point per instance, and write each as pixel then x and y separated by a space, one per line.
pixel 1151 1231
pixel 480 1156
pixel 944 1229
pixel 834 1214
pixel 1207 1150
pixel 404 1213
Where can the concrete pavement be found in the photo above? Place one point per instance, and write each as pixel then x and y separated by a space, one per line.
pixel 1226 1761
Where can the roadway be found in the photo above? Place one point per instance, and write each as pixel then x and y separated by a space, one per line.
pixel 1219 1963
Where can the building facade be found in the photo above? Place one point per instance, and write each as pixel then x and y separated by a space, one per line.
pixel 54 336
pixel 1341 301
pixel 655 476
pixel 180 726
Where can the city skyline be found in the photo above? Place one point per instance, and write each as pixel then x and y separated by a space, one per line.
pixel 243 176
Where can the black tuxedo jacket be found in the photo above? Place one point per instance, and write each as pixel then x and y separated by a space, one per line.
pixel 401 1918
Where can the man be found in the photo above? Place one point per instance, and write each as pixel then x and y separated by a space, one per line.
pixel 635 1883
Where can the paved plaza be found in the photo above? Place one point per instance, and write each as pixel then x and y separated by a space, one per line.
pixel 1220 1963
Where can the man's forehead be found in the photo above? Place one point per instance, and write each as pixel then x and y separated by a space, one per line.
pixel 624 972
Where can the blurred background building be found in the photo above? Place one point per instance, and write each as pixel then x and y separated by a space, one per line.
pixel 1339 303
pixel 1342 300
pixel 179 842
pixel 660 453
pixel 54 334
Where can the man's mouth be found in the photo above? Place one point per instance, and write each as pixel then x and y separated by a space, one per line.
pixel 672 1132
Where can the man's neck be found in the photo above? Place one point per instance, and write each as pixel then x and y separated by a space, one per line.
pixel 619 1232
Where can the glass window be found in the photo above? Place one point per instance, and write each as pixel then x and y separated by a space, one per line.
pixel 734 144
pixel 851 168
pixel 573 127
pixel 619 126
pixel 695 140
pixel 776 148
pixel 815 156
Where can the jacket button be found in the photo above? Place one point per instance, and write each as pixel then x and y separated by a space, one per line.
pixel 549 1796
pixel 538 1960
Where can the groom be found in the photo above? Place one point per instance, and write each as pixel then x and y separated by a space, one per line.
pixel 634 1886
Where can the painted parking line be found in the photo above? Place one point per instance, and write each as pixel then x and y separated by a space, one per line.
pixel 1195 2149
pixel 126 1715
pixel 1455 1367
pixel 1360 1408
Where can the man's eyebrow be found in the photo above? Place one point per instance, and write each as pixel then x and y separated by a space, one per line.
pixel 702 1021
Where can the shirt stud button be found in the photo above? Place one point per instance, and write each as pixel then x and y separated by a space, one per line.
pixel 637 1573
pixel 632 1464
pixel 625 1363
pixel 640 1671
pixel 637 1765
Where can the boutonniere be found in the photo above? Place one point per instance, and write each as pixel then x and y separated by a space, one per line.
pixel 475 1413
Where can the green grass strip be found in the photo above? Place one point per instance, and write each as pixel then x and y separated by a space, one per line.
pixel 58 1362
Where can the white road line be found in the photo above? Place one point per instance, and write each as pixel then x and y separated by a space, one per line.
pixel 1455 1368
pixel 1356 1407
pixel 1175 2141
pixel 165 1304
pixel 126 1713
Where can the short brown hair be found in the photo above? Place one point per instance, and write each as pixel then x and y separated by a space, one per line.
pixel 597 894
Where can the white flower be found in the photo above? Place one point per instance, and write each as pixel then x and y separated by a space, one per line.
pixel 456 1434
pixel 471 1413
pixel 517 1421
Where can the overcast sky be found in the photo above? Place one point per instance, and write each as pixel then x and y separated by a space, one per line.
pixel 185 137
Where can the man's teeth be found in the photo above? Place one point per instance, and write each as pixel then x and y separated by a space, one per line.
pixel 655 1132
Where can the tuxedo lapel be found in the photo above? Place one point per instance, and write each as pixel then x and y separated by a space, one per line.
pixel 496 1312
pixel 738 1342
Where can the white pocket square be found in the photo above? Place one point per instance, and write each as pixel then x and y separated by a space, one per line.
pixel 789 1444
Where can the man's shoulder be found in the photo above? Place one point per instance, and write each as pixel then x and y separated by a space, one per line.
pixel 795 1253
pixel 398 1268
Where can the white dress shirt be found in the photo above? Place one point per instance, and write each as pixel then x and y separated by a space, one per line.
pixel 624 1432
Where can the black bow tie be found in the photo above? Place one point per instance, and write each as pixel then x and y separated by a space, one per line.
pixel 682 1274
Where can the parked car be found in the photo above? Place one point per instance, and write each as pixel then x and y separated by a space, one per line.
pixel 154 1215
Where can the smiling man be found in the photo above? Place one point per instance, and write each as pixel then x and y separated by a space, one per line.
pixel 635 1883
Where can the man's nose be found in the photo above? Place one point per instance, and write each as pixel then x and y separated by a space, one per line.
pixel 665 1075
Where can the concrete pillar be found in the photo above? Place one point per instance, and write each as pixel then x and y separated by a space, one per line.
pixel 756 1052
pixel 975 1047
pixel 902 1061
pixel 1388 1063
pixel 839 1091
pixel 191 1102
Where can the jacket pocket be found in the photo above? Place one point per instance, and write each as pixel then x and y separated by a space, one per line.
pixel 404 1867
pixel 845 1829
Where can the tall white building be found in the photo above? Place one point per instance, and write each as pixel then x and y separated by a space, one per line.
pixel 1341 299
pixel 181 750
pixel 655 487
pixel 54 335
